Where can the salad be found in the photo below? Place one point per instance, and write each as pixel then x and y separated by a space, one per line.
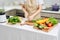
pixel 14 20
pixel 45 24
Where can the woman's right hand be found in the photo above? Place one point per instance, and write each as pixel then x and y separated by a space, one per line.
pixel 25 11
pixel 30 18
pixel 23 6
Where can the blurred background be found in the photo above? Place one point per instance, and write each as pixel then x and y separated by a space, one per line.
pixel 47 3
pixel 12 8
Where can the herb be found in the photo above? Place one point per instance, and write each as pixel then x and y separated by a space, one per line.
pixel 2 11
pixel 14 19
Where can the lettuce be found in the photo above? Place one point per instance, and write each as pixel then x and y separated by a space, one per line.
pixel 53 20
pixel 14 19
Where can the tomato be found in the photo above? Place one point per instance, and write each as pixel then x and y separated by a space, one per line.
pixel 49 24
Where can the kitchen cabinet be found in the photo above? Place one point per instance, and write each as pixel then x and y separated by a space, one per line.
pixel 20 13
pixel 15 12
pixel 11 12
pixel 26 32
pixel 55 15
pixel 45 13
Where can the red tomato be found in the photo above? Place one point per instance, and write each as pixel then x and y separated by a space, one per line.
pixel 49 24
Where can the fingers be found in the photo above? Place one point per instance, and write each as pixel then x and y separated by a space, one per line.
pixel 30 18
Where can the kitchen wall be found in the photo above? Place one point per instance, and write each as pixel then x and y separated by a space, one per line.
pixel 47 2
pixel 6 2
pixel 51 2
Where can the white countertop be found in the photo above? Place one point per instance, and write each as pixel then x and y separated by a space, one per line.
pixel 7 8
pixel 12 7
pixel 51 11
pixel 53 32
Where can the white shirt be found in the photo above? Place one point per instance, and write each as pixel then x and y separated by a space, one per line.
pixel 37 1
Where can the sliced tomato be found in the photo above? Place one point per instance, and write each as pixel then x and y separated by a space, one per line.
pixel 49 24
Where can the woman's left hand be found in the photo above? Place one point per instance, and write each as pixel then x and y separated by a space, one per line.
pixel 30 18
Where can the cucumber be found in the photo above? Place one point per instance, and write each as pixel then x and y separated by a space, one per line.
pixel 35 24
pixel 41 27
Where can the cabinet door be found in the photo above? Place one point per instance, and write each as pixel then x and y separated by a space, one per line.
pixel 50 15
pixel 11 13
pixel 9 33
pixel 20 13
pixel 46 15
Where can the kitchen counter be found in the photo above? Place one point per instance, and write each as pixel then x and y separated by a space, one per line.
pixel 51 11
pixel 53 32
pixel 25 32
pixel 12 7
pixel 7 8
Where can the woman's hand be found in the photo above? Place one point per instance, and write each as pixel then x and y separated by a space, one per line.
pixel 30 18
pixel 25 11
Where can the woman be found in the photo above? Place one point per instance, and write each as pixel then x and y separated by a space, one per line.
pixel 32 9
